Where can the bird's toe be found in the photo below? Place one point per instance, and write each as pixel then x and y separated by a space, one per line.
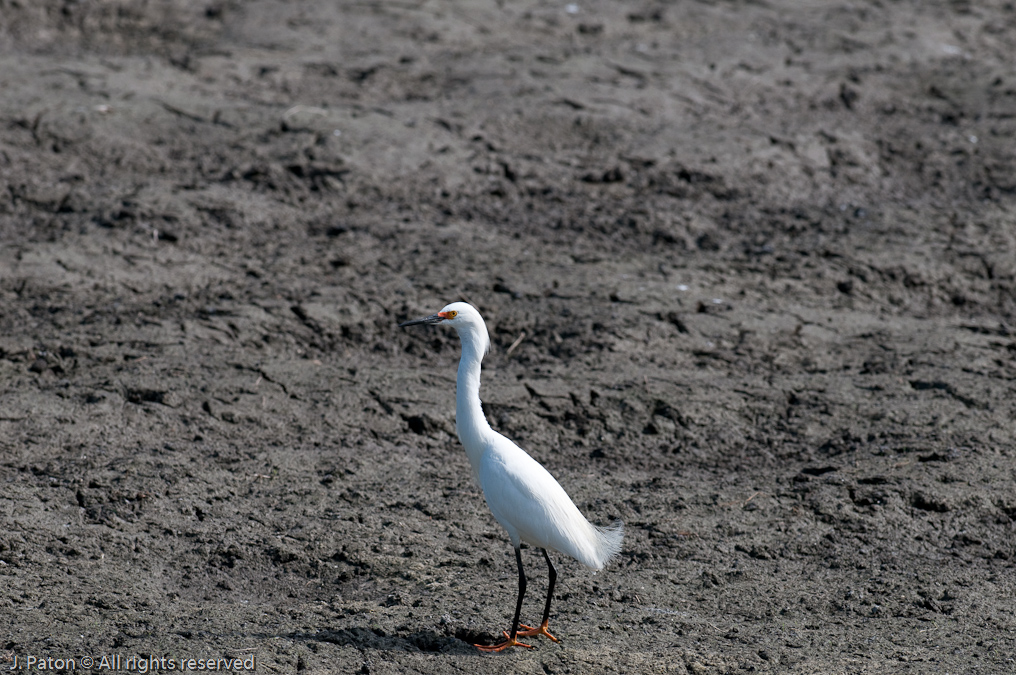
pixel 540 630
pixel 501 646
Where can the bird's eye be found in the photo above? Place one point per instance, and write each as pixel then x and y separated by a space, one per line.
pixel 452 314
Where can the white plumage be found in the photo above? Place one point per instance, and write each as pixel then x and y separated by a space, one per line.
pixel 528 502
pixel 533 507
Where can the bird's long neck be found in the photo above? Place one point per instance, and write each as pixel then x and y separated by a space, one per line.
pixel 470 422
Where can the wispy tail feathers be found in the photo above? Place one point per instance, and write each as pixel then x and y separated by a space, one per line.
pixel 608 543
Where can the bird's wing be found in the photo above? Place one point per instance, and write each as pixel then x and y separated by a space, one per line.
pixel 529 502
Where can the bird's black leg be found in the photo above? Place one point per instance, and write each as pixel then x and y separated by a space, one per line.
pixel 542 629
pixel 552 575
pixel 512 641
pixel 522 592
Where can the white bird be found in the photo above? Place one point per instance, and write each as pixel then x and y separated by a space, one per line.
pixel 528 502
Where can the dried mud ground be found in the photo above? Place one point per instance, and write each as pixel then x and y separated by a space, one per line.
pixel 749 272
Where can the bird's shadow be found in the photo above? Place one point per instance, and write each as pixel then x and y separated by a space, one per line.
pixel 429 641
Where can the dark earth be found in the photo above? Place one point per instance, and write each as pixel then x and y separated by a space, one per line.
pixel 749 270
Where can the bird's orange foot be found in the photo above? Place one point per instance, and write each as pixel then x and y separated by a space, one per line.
pixel 542 630
pixel 501 646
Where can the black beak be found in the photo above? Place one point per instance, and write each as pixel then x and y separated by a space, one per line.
pixel 433 318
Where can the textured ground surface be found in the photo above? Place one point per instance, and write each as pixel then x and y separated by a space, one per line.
pixel 761 258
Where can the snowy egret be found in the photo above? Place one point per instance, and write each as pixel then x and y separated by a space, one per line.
pixel 528 502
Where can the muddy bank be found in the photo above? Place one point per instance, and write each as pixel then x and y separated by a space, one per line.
pixel 758 266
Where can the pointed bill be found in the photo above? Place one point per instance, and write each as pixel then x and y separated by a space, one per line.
pixel 433 318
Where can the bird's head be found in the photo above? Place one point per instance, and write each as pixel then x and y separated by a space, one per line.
pixel 466 321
